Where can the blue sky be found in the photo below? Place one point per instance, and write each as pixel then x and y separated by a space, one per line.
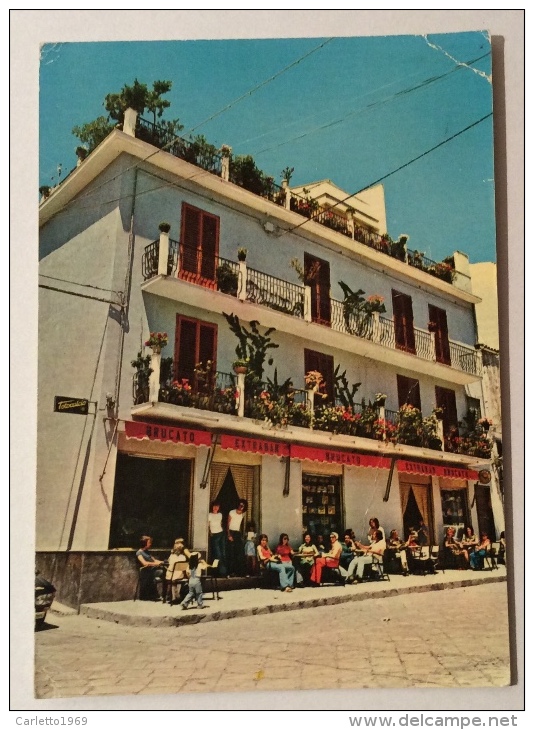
pixel 353 110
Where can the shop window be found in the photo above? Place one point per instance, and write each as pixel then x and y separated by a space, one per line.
pixel 317 277
pixel 446 400
pixel 195 344
pixel 321 504
pixel 323 364
pixel 199 246
pixel 403 321
pixel 438 325
pixel 455 511
pixel 408 392
pixel 151 497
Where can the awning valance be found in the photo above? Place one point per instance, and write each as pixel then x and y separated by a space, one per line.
pixel 157 432
pixel 257 446
pixel 332 456
pixel 452 472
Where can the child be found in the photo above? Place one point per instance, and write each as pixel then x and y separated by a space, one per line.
pixel 250 549
pixel 195 586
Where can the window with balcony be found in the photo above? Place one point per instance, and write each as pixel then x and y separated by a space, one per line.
pixel 446 399
pixel 199 246
pixel 317 277
pixel 195 344
pixel 403 321
pixel 323 364
pixel 438 325
pixel 408 392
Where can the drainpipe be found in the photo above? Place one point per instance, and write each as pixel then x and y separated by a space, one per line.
pixel 385 498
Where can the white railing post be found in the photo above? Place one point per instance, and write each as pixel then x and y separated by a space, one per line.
pixel 376 326
pixel 479 363
pixel 307 304
pixel 382 417
pixel 163 254
pixel 350 224
pixel 310 403
pixel 153 382
pixel 242 281
pixel 241 394
pixel 433 345
pixel 440 434
pixel 287 192
pixel 226 151
pixel 130 122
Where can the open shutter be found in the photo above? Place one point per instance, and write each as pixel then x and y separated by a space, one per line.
pixel 408 391
pixel 198 246
pixel 446 399
pixel 190 243
pixel 185 349
pixel 210 229
pixel 403 321
pixel 438 323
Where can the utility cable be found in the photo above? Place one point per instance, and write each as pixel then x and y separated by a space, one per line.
pixel 78 283
pixel 401 167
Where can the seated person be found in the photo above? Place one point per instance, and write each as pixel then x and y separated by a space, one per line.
pixel 307 553
pixel 286 553
pixel 398 548
pixel 174 576
pixel 348 549
pixel 502 549
pixel 151 572
pixel 327 560
pixel 374 526
pixel 454 554
pixel 269 561
pixel 320 543
pixel 370 552
pixel 469 539
pixel 483 548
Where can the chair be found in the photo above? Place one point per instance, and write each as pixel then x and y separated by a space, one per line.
pixel 435 559
pixel 491 556
pixel 421 561
pixel 177 567
pixel 375 570
pixel 332 574
pixel 211 578
pixel 148 580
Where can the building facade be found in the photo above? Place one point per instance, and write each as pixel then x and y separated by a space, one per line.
pixel 328 313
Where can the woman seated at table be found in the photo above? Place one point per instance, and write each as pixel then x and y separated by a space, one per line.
pixel 455 555
pixel 269 561
pixel 396 545
pixel 151 572
pixel 469 539
pixel 286 554
pixel 369 553
pixel 306 555
pixel 348 548
pixel 327 560
pixel 479 553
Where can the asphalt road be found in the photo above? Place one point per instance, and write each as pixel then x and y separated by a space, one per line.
pixel 451 638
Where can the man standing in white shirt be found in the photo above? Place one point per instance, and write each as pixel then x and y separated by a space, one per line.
pixel 236 549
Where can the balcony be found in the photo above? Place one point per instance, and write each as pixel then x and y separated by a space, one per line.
pixel 268 407
pixel 373 331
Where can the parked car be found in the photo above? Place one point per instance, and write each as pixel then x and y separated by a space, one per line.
pixel 44 595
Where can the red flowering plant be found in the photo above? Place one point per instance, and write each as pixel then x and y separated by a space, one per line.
pixel 179 392
pixel 374 303
pixel 157 340
pixel 225 399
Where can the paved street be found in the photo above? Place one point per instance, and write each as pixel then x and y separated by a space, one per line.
pixel 451 638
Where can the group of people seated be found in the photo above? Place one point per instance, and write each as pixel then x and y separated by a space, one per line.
pixel 469 552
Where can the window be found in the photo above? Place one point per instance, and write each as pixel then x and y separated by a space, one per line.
pixel 323 364
pixel 446 399
pixel 195 342
pixel 199 246
pixel 317 276
pixel 438 325
pixel 403 321
pixel 408 392
pixel 321 504
pixel 473 405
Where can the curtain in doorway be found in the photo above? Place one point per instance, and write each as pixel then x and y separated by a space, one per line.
pixel 243 477
pixel 421 495
pixel 405 496
pixel 218 474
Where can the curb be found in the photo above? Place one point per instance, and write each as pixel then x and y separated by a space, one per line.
pixel 104 613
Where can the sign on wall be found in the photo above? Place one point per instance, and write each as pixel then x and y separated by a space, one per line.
pixel 66 404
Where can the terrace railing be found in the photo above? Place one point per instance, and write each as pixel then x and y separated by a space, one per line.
pixel 277 294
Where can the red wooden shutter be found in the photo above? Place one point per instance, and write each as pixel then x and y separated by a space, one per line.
pixel 196 342
pixel 438 324
pixel 446 399
pixel 198 246
pixel 210 229
pixel 403 321
pixel 323 364
pixel 318 278
pixel 189 244
pixel 408 391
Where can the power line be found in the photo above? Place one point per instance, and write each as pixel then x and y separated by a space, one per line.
pixel 77 283
pixel 401 167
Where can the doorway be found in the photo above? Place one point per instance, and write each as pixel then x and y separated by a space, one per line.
pixel 416 504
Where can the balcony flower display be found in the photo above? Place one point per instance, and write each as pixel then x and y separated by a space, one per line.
pixel 380 399
pixel 442 271
pixel 485 423
pixel 156 341
pixel 242 254
pixel 273 411
pixel 410 426
pixel 225 399
pixel 314 380
pixel 374 303
pixel 180 392
pixel 241 365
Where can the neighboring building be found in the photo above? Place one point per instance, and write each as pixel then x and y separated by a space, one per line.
pixel 155 449
pixel 484 283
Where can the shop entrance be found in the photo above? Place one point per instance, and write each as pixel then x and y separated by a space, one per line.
pixel 484 511
pixel 231 482
pixel 152 496
pixel 416 503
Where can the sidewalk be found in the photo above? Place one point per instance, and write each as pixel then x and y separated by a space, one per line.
pixel 256 601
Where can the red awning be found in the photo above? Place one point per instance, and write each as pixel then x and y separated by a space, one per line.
pixel 257 446
pixel 157 432
pixel 452 472
pixel 348 458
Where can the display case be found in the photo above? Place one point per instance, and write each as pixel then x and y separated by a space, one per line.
pixel 321 504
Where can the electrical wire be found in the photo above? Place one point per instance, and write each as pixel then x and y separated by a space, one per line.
pixel 384 177
pixel 78 283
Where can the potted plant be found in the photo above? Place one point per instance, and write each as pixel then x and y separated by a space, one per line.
pixel 156 341
pixel 242 254
pixel 485 423
pixel 241 365
pixel 226 279
pixel 380 399
pixel 81 153
pixel 164 227
pixel 44 190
